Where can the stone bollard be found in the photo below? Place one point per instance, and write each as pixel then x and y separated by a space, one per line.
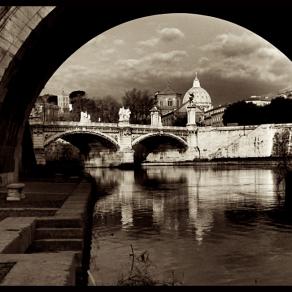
pixel 15 192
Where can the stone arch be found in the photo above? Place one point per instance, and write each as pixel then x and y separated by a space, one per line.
pixel 81 132
pixel 16 23
pixel 144 137
pixel 34 43
pixel 159 144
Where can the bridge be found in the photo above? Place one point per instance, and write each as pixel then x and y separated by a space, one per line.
pixel 123 141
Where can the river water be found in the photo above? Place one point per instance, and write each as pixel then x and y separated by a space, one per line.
pixel 199 225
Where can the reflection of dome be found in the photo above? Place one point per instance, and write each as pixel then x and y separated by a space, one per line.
pixel 201 99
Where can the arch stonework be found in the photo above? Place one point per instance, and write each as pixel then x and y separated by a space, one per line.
pixel 81 132
pixel 158 134
pixel 35 41
pixel 16 23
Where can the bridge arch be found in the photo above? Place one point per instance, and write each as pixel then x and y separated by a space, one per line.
pixel 33 44
pixel 159 146
pixel 81 132
pixel 158 134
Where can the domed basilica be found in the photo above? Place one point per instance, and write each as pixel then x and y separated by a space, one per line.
pixel 173 107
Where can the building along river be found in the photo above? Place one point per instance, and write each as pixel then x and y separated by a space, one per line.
pixel 211 225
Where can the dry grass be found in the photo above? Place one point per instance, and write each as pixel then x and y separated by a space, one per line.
pixel 140 272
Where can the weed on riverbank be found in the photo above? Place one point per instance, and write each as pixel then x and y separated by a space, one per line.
pixel 141 272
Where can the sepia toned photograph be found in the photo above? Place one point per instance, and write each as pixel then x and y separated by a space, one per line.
pixel 145 144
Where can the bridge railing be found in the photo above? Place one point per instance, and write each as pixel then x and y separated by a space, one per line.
pixel 104 125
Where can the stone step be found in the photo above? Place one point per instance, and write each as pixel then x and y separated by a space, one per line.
pixel 58 223
pixel 58 233
pixel 53 245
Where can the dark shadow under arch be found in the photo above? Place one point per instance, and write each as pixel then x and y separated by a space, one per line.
pixel 107 141
pixel 156 143
pixel 86 141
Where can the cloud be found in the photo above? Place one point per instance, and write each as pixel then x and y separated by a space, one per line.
pixel 119 42
pixel 153 60
pixel 231 45
pixel 108 51
pixel 145 72
pixel 149 43
pixel 128 62
pixel 230 67
pixel 97 40
pixel 169 34
pixel 246 58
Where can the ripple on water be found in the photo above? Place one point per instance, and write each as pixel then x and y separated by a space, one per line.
pixel 216 227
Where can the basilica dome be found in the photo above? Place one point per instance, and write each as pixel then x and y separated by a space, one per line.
pixel 201 97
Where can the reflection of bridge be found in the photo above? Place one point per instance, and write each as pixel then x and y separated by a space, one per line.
pixel 121 138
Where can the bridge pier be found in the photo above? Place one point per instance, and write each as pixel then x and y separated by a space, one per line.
pixel 40 156
pixel 38 139
pixel 126 157
pixel 126 153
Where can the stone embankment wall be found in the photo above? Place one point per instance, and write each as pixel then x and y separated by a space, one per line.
pixel 260 141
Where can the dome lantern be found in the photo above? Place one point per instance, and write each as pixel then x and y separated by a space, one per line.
pixel 196 82
pixel 201 97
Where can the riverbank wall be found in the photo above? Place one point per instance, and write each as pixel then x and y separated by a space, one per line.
pixel 45 238
pixel 241 143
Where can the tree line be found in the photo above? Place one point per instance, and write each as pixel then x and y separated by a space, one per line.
pixel 106 109
pixel 243 113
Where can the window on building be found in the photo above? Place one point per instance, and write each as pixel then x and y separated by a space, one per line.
pixel 169 102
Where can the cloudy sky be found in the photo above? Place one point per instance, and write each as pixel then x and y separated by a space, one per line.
pixel 148 53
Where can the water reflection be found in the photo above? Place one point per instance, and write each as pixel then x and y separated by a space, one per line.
pixel 205 222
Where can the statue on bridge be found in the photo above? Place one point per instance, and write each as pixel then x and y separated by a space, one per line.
pixel 85 117
pixel 124 114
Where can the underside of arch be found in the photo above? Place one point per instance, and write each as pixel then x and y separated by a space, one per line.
pixel 157 143
pixel 67 136
pixel 178 139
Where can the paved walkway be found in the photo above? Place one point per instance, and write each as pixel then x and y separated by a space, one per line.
pixel 54 205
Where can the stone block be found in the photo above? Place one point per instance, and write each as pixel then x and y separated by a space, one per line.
pixel 18 19
pixel 24 33
pixel 16 234
pixel 15 192
pixel 12 28
pixel 6 34
pixel 2 71
pixel 29 11
pixel 6 60
pixel 13 49
pixel 44 11
pixel 5 44
pixel 34 21
pixel 41 269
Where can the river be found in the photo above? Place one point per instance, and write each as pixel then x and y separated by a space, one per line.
pixel 206 225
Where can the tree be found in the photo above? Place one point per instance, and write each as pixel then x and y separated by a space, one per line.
pixel 279 111
pixel 242 113
pixel 103 109
pixel 140 103
pixel 75 100
pixel 107 109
